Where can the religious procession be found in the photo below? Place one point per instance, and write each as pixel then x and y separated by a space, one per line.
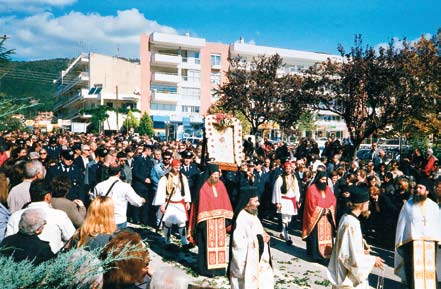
pixel 91 196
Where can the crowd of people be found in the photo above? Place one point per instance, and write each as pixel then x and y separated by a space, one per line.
pixel 62 191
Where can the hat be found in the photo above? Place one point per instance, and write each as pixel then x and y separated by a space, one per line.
pixel 68 154
pixel 319 175
pixel 287 164
pixel 101 152
pixel 147 146
pixel 76 146
pixel 212 168
pixel 52 140
pixel 246 193
pixel 425 182
pixel 175 162
pixel 187 154
pixel 121 154
pixel 359 194
pixel 250 163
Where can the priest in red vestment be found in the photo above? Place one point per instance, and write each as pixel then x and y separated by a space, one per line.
pixel 319 218
pixel 208 223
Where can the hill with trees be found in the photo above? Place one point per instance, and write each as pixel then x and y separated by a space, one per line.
pixel 31 81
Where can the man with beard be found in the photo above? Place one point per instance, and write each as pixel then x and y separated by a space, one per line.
pixel 210 217
pixel 319 218
pixel 286 195
pixel 416 240
pixel 350 263
pixel 250 259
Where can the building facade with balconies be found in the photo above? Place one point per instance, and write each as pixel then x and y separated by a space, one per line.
pixel 94 79
pixel 179 74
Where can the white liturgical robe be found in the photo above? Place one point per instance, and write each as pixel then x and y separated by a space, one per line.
pixel 417 222
pixel 246 270
pixel 350 266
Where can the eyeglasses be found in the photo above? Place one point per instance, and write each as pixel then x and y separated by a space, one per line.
pixel 43 153
pixel 167 159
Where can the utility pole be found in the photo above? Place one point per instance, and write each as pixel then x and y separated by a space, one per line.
pixel 117 106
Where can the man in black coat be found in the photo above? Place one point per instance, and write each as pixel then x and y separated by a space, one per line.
pixel 67 169
pixel 141 183
pixel 53 149
pixel 26 244
pixel 191 171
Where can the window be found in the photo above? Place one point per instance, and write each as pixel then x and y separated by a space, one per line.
pixel 96 89
pixel 191 75
pixel 190 93
pixel 110 104
pixel 215 77
pixel 163 106
pixel 190 108
pixel 164 88
pixel 215 59
pixel 197 60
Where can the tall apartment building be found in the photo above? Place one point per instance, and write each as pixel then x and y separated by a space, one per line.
pixel 179 74
pixel 94 79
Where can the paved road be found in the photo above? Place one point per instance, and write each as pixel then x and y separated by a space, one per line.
pixel 292 268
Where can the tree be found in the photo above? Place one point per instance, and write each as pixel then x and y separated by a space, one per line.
pixel 424 69
pixel 99 114
pixel 131 121
pixel 145 125
pixel 368 89
pixel 5 53
pixel 258 92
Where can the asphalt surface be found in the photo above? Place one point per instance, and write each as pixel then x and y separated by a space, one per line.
pixel 292 267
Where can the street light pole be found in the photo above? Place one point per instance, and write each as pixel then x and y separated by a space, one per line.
pixel 167 123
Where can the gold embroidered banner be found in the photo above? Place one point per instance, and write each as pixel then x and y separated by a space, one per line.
pixel 424 267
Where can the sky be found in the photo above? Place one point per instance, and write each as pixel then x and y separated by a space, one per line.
pixel 46 29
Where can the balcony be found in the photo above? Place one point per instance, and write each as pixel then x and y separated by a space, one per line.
pixel 173 40
pixel 166 59
pixel 165 77
pixel 162 96
pixel 81 80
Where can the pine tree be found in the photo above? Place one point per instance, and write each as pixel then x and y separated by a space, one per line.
pixel 145 125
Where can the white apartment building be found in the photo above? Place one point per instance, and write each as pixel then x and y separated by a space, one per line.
pixel 94 79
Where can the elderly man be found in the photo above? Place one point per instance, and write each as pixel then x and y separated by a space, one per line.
pixel 417 238
pixel 59 228
pixel 19 194
pixel 250 259
pixel 319 218
pixel 173 198
pixel 25 244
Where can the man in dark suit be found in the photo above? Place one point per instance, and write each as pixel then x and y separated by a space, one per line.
pixel 191 171
pixel 141 183
pixel 67 169
pixel 26 244
pixel 53 149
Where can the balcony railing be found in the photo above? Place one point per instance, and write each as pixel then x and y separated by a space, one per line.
pixel 163 96
pixel 81 79
pixel 166 59
pixel 165 77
